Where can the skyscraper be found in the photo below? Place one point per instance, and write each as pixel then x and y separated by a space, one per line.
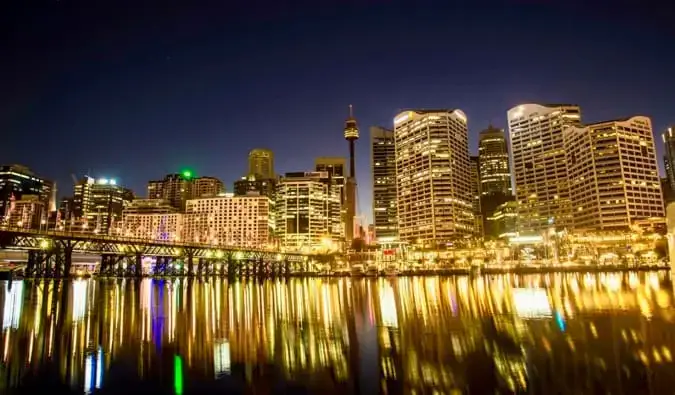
pixel 308 212
pixel 261 163
pixel 493 154
pixel 383 165
pixel 433 176
pixel 17 181
pixel 668 137
pixel 539 164
pixel 98 204
pixel 174 188
pixel 475 195
pixel 335 167
pixel 495 176
pixel 207 187
pixel 351 132
pixel 613 174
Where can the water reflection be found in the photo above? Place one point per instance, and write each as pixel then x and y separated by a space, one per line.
pixel 590 333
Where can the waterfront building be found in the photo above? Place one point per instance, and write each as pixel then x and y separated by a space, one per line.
pixel 335 167
pixel 261 163
pixel 207 187
pixel 502 223
pixel 239 221
pixel 539 164
pixel 433 177
pixel 175 188
pixel 308 212
pixel 613 174
pixel 17 181
pixel 383 169
pixel 152 219
pixel 98 205
pixel 29 212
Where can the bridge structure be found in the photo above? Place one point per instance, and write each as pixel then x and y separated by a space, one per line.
pixel 50 255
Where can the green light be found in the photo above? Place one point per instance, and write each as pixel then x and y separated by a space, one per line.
pixel 187 174
pixel 178 374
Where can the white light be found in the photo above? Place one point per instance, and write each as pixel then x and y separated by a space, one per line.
pixel 401 118
pixel 530 302
pixel 102 181
pixel 460 115
pixel 12 305
pixel 79 300
pixel 113 181
pixel 221 357
pixel 88 373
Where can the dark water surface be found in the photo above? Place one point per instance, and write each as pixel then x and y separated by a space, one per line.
pixel 541 334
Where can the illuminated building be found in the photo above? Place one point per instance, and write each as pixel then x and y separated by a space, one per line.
pixel 476 194
pixel 433 176
pixel 175 188
pixel 27 213
pixel 495 175
pixel 383 165
pixel 152 219
pixel 308 211
pixel 16 181
pixel 98 205
pixel 207 187
pixel 261 163
pixel 351 133
pixel 539 164
pixel 668 137
pixel 243 221
pixel 335 167
pixel 250 185
pixel 502 222
pixel 613 174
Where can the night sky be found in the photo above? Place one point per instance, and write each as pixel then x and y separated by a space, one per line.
pixel 114 89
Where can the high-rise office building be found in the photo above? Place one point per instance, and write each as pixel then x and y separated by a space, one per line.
pixel 152 219
pixel 251 185
pixel 503 220
pixel 98 205
pixel 539 164
pixel 433 176
pixel 308 212
pixel 175 188
pixel 475 195
pixel 613 174
pixel 17 181
pixel 351 133
pixel 495 176
pixel 261 163
pixel 493 154
pixel 383 165
pixel 668 137
pixel 335 167
pixel 239 221
pixel 207 187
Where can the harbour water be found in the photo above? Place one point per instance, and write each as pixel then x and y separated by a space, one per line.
pixel 537 334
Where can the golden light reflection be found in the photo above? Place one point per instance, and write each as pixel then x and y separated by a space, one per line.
pixel 424 334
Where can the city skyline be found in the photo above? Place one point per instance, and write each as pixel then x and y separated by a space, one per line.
pixel 185 99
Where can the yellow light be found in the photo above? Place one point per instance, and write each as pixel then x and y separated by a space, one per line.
pixel 44 244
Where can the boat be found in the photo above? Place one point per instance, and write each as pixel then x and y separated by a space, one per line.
pixel 391 270
pixel 372 270
pixel 357 270
pixel 475 270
